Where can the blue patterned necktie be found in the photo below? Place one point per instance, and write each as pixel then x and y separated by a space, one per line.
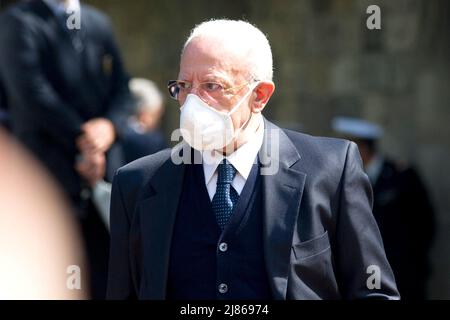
pixel 225 197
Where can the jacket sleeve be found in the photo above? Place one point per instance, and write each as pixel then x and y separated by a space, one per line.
pixel 120 284
pixel 28 86
pixel 120 102
pixel 360 259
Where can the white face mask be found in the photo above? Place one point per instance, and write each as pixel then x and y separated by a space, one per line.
pixel 205 128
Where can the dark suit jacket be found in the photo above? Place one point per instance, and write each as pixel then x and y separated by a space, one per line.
pixel 136 145
pixel 319 233
pixel 52 89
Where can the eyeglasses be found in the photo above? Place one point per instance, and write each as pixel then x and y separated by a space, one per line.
pixel 179 88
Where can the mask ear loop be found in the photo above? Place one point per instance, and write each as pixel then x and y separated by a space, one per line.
pixel 236 133
pixel 242 100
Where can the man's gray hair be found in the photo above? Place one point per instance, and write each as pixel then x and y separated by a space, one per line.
pixel 244 39
pixel 147 94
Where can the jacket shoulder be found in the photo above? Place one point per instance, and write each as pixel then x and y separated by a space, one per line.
pixel 145 167
pixel 17 13
pixel 318 147
pixel 325 157
pixel 99 19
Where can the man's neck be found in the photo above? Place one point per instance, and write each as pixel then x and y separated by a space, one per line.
pixel 247 132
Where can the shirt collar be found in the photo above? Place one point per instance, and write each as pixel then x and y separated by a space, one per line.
pixel 59 7
pixel 242 159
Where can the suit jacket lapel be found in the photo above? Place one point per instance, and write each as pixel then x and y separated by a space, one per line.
pixel 282 194
pixel 157 213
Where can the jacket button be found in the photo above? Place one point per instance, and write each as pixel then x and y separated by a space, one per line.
pixel 223 247
pixel 223 288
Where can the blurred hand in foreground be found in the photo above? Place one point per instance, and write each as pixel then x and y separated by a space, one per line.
pixel 98 136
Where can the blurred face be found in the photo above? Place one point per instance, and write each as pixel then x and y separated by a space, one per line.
pixel 149 119
pixel 207 61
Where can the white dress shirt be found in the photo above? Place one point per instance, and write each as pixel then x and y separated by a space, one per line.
pixel 63 6
pixel 242 160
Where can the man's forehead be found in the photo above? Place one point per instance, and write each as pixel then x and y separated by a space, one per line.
pixel 211 56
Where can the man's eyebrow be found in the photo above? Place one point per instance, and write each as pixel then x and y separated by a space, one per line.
pixel 216 78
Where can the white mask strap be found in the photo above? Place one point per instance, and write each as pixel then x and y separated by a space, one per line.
pixel 242 100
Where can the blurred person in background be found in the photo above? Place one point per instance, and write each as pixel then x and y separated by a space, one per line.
pixel 402 207
pixel 68 99
pixel 143 136
pixel 40 247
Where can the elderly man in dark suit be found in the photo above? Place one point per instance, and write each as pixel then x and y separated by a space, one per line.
pixel 67 96
pixel 242 209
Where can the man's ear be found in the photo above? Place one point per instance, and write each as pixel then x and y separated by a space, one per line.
pixel 264 91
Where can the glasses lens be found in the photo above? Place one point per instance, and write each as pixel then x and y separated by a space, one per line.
pixel 174 89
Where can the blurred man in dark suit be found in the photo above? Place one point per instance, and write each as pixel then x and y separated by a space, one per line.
pixel 242 209
pixel 401 207
pixel 68 97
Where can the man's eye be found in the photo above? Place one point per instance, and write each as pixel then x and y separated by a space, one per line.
pixel 184 85
pixel 212 86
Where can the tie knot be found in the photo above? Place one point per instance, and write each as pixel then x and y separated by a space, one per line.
pixel 226 173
